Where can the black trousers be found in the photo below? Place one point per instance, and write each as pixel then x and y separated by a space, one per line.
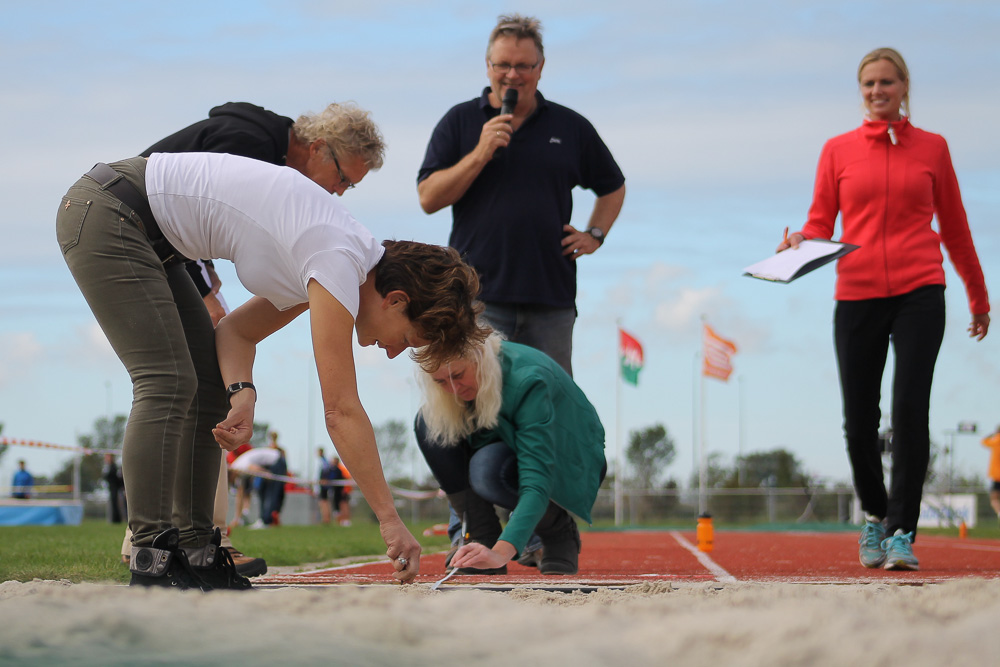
pixel 914 324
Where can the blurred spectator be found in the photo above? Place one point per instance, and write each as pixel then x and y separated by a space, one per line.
pixel 323 494
pixel 993 442
pixel 270 459
pixel 22 483
pixel 112 474
pixel 341 492
pixel 243 485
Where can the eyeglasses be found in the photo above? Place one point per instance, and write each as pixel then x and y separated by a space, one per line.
pixel 503 68
pixel 346 182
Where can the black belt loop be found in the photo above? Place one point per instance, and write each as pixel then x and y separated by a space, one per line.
pixel 112 181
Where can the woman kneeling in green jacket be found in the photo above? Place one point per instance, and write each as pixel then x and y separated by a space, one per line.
pixel 505 425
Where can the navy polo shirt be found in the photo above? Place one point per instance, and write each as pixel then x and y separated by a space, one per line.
pixel 508 225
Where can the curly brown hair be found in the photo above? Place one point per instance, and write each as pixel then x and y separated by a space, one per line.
pixel 442 290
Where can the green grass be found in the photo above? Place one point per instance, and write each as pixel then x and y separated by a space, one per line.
pixel 91 552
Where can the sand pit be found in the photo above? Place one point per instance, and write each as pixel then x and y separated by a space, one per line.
pixel 47 622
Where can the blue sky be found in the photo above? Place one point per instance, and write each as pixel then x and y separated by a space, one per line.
pixel 716 112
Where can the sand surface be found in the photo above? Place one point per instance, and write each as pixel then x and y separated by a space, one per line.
pixel 50 622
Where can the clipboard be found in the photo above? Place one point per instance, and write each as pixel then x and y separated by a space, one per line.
pixel 793 263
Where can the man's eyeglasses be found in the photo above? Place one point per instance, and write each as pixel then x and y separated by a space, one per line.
pixel 346 182
pixel 503 68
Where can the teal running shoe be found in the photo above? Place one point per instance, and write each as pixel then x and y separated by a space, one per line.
pixel 899 552
pixel 871 550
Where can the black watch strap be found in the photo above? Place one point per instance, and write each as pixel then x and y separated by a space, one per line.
pixel 238 386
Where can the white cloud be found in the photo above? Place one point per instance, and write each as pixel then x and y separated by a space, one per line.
pixel 91 346
pixel 685 308
pixel 19 353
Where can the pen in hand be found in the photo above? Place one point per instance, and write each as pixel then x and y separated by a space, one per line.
pixel 784 245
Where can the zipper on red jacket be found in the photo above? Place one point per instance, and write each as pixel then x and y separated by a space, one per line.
pixel 885 212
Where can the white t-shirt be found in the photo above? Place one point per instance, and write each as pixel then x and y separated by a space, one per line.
pixel 277 226
pixel 259 456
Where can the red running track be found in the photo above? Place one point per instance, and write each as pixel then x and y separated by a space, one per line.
pixel 635 557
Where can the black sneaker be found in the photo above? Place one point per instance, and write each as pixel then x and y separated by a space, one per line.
pixel 247 566
pixel 164 564
pixel 215 566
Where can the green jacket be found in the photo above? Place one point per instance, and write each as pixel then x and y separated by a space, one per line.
pixel 556 435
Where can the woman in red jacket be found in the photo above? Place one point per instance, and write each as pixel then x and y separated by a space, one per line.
pixel 888 180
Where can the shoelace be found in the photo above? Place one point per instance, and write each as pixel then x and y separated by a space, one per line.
pixel 869 537
pixel 901 543
pixel 190 577
pixel 233 578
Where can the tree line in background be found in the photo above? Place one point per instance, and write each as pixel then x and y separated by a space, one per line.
pixel 649 454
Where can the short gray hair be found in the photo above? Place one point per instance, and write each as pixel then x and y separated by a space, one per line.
pixel 519 27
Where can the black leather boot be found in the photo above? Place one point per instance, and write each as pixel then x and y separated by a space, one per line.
pixel 482 525
pixel 215 566
pixel 560 542
pixel 164 563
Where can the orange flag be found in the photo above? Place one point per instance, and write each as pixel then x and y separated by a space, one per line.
pixel 716 356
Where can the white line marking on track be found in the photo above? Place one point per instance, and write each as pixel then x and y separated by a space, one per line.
pixel 717 571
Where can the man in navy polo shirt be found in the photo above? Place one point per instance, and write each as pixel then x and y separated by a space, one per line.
pixel 509 180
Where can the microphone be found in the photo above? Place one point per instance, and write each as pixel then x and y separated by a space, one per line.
pixel 509 101
pixel 506 106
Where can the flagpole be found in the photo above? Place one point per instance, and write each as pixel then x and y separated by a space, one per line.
pixel 715 352
pixel 702 465
pixel 618 432
pixel 739 405
pixel 694 418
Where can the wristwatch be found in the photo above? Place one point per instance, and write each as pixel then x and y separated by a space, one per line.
pixel 598 234
pixel 236 387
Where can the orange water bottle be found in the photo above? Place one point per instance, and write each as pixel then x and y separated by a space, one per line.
pixel 705 532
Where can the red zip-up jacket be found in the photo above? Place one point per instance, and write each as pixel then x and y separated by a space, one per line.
pixel 887 194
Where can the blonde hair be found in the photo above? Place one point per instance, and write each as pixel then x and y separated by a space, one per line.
pixel 893 56
pixel 449 419
pixel 347 129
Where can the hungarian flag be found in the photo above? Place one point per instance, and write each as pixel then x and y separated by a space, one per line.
pixel 630 352
pixel 716 356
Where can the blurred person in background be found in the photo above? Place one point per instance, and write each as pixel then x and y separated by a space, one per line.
pixel 992 441
pixel 22 482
